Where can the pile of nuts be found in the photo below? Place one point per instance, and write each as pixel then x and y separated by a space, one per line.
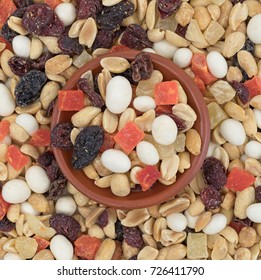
pixel 217 216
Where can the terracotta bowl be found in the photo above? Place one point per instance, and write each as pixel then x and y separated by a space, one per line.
pixel 159 193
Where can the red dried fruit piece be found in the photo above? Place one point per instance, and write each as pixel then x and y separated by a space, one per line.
pixel 61 136
pixel 15 158
pixel 167 7
pixel 7 44
pixel 166 93
pixel 253 86
pixel 86 247
pixel 88 8
pixel 133 236
pixel 119 48
pixel 7 7
pixel 163 109
pixel 70 100
pixel 200 84
pixel 200 68
pixel 4 129
pixel 42 243
pixel 211 197
pixel 141 67
pixel 19 65
pixel 53 3
pixel 103 219
pixel 3 206
pixel 108 142
pixel 148 176
pixel 42 137
pixel 129 136
pixel 6 225
pixel 241 91
pixel 239 179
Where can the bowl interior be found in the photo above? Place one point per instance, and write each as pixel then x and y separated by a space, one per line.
pixel 159 193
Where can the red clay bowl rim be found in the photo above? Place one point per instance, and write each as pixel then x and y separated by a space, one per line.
pixel 142 199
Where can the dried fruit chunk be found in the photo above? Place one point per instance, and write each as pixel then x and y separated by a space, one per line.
pixel 46 159
pixel 135 37
pixel 3 206
pixel 29 87
pixel 4 129
pixel 6 225
pixel 7 7
pixel 42 243
pixel 40 19
pixel 19 65
pixel 108 142
pixel 148 176
pixel 86 247
pixel 15 158
pixel 214 172
pixel 141 67
pixel 241 91
pixel 168 7
pixel 253 86
pixel 41 137
pixel 200 68
pixel 53 3
pixel 60 136
pixel 200 84
pixel 133 237
pixel 56 189
pixel 239 179
pixel 166 93
pixel 104 39
pixel 65 225
pixel 103 219
pixel 211 197
pixel 129 136
pixel 88 8
pixel 87 145
pixel 70 100
pixel 6 43
pixel 257 194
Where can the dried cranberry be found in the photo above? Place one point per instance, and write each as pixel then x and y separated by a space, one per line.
pixel 46 159
pixel 49 110
pixel 141 67
pixel 258 193
pixel 22 3
pixel 135 37
pixel 68 45
pixel 241 91
pixel 119 231
pixel 53 171
pixel 211 197
pixel 6 225
pixel 57 189
pixel 181 30
pixel 214 172
pixel 39 63
pixel 65 225
pixel 40 19
pixel 128 75
pixel 133 236
pixel 237 224
pixel 168 7
pixel 104 39
pixel 19 65
pixel 181 124
pixel 94 97
pixel 110 18
pixel 136 188
pixel 249 46
pixel 88 8
pixel 103 219
pixel 60 136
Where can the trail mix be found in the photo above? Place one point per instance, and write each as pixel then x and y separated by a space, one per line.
pixel 138 133
pixel 217 42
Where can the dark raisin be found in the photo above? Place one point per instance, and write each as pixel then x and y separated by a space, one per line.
pixel 258 193
pixel 136 188
pixel 57 189
pixel 40 19
pixel 237 224
pixel 214 172
pixel 49 110
pixel 128 75
pixel 53 171
pixel 241 91
pixel 39 63
pixel 93 96
pixel 88 8
pixel 104 39
pixel 68 45
pixel 46 159
pixel 211 198
pixel 29 87
pixel 110 18
pixel 65 225
pixel 236 63
pixel 135 37
pixel 87 145
pixel 234 2
pixel 119 231
pixel 7 33
pixel 249 46
pixel 22 3
pixel 181 30
pixel 6 225
pixel 181 124
pixel 133 236
pixel 103 219
pixel 133 258
pixel 141 67
pixel 19 65
pixel 60 136
pixel 168 7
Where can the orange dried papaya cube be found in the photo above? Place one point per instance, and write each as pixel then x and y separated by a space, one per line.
pixel 41 137
pixel 4 129
pixel 129 136
pixel 200 68
pixel 86 247
pixel 166 93
pixel 239 179
pixel 53 3
pixel 108 142
pixel 200 84
pixel 16 158
pixel 42 243
pixel 7 7
pixel 253 86
pixel 3 207
pixel 70 100
pixel 148 176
